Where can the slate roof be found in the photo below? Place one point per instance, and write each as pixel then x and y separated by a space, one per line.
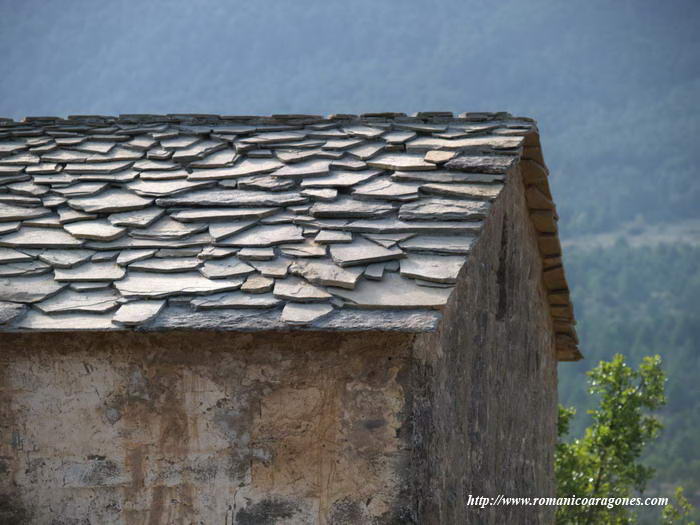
pixel 256 223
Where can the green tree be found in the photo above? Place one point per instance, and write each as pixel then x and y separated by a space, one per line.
pixel 604 463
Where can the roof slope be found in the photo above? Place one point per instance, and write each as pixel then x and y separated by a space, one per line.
pixel 240 223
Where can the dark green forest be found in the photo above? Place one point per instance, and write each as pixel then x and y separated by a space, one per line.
pixel 615 87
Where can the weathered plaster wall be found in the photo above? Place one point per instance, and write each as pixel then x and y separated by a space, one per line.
pixel 484 386
pixel 203 428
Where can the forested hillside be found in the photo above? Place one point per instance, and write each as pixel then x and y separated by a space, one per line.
pixel 615 87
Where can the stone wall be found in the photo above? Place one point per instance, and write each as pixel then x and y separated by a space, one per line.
pixel 484 386
pixel 207 428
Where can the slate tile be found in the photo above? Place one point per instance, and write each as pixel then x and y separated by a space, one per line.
pixel 332 237
pixel 10 311
pixel 9 227
pixel 109 201
pixel 400 161
pixel 435 268
pixel 393 292
pixel 19 200
pixel 23 269
pixel 218 159
pixel 136 219
pixel 446 177
pixel 8 255
pixel 82 189
pixel 235 300
pixel 346 207
pixel 28 237
pixel 482 164
pixel 425 227
pixel 365 132
pixel 101 230
pixel 348 163
pixel 470 191
pixel 312 168
pixel 303 314
pixel 29 289
pixel 90 271
pixel 264 236
pixel 225 268
pixel 137 312
pixel 444 244
pixel 326 273
pixel 179 142
pixel 166 265
pixel 340 179
pixel 257 254
pixel 65 258
pixel 223 229
pixel 257 284
pixel 163 188
pixel 436 209
pixel 362 251
pixel 374 271
pixel 342 144
pixel 277 268
pixel 384 188
pixel 98 301
pixel 165 229
pixel 297 290
pixel 198 150
pixel 156 285
pixel 221 214
pixel 367 150
pixel 229 198
pixel 98 168
pixel 265 183
pixel 306 249
pixel 164 174
pixel 128 256
pixel 39 321
pixel 156 165
pixel 27 188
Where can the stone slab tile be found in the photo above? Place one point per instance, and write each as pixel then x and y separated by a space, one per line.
pixel 98 301
pixel 429 267
pixel 152 285
pixel 234 300
pixel 304 313
pixel 137 312
pixel 393 292
pixel 29 289
pixel 362 251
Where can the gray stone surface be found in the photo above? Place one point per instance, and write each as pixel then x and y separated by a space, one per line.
pixel 326 273
pixel 447 244
pixel 435 268
pixel 225 268
pixel 362 251
pixel 98 301
pixel 340 179
pixel 235 300
pixel 166 228
pixel 113 200
pixel 91 271
pixel 298 290
pixel 243 168
pixel 436 209
pixel 137 218
pixel 257 284
pixel 221 214
pixel 101 230
pixel 346 207
pixel 264 235
pixel 302 314
pixel 393 292
pixel 28 289
pixel 166 265
pixel 153 285
pixel 10 311
pixel 10 213
pixel 228 198
pixel 64 258
pixel 467 191
pixel 28 237
pixel 400 161
pixel 137 312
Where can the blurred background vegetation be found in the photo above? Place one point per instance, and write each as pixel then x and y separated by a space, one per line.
pixel 615 87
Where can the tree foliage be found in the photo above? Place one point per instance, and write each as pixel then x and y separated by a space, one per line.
pixel 604 463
